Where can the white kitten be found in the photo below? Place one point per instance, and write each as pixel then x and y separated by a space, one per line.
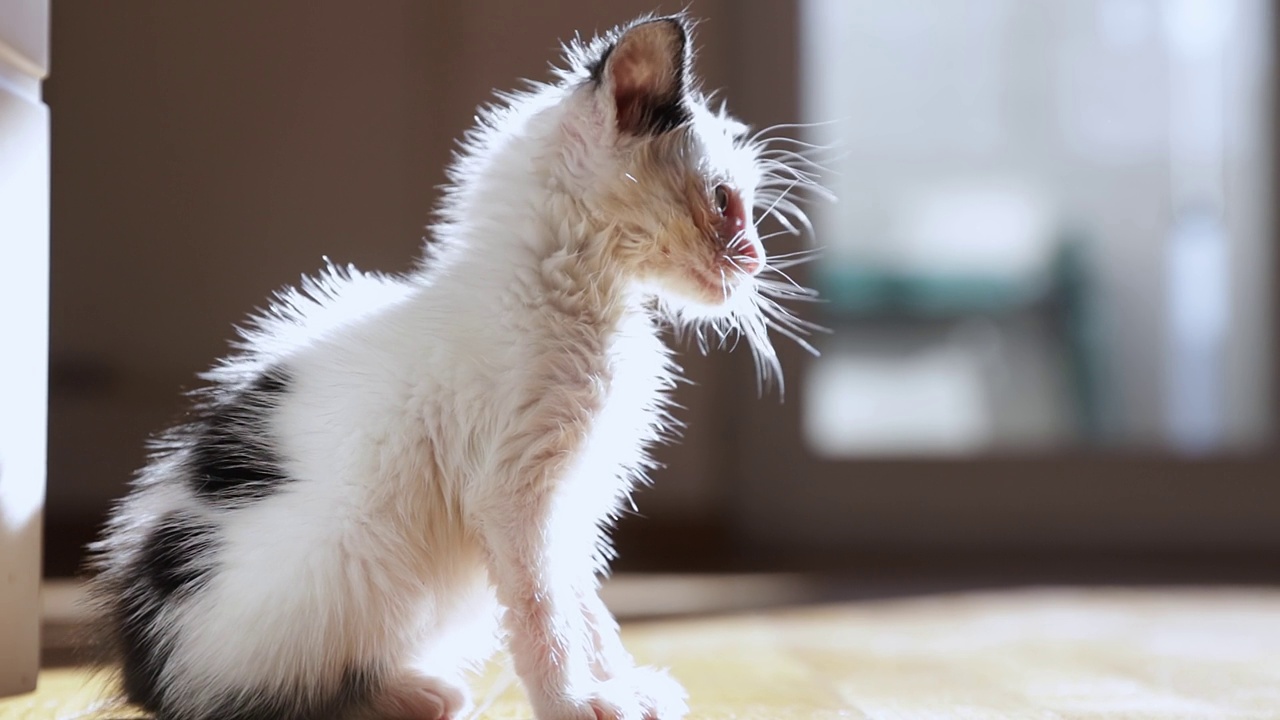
pixel 393 474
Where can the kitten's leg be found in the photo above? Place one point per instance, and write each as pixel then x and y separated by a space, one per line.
pixel 660 695
pixel 540 573
pixel 456 637
pixel 609 656
pixel 454 630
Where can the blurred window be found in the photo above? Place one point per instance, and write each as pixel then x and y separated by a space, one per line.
pixel 1052 226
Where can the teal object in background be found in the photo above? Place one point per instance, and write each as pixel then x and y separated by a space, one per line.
pixel 1066 293
pixel 853 292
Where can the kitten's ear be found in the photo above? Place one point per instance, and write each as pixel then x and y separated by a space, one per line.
pixel 645 74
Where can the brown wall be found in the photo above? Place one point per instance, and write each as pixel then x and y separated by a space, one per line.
pixel 207 153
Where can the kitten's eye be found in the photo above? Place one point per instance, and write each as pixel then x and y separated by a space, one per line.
pixel 722 199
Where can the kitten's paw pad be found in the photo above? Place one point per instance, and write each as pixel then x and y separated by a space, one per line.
pixel 660 695
pixel 604 701
pixel 637 694
pixel 418 697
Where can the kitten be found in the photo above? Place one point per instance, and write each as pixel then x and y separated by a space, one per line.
pixel 394 474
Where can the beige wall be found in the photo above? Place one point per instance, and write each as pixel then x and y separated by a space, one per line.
pixel 207 153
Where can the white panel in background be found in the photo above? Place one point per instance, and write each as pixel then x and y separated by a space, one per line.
pixel 932 402
pixel 24 332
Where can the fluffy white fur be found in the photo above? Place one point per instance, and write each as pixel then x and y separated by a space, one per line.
pixel 457 441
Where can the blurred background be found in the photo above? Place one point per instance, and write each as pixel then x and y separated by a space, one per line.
pixel 1050 275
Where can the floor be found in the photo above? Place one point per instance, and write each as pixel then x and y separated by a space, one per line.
pixel 1055 654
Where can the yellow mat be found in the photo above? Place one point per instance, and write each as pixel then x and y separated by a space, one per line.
pixel 1047 654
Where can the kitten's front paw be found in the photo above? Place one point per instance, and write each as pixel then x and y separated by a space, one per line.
pixel 660 695
pixel 604 701
pixel 636 694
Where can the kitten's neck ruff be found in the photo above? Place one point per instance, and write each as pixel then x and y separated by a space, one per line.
pixel 515 227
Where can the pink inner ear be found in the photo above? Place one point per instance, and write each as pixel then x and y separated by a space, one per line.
pixel 643 66
pixel 637 75
pixel 630 102
pixel 634 82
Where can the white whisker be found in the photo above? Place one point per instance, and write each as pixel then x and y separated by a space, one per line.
pixel 790 126
pixel 771 268
pixel 806 253
pixel 792 321
pixel 772 235
pixel 783 219
pixel 784 263
pixel 771 207
pixel 794 337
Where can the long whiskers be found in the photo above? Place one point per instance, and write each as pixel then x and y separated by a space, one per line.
pixel 780 198
pixel 759 134
pixel 791 175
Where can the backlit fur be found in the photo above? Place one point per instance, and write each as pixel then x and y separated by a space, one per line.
pixel 392 475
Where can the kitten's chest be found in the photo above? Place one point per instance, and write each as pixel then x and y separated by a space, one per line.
pixel 633 384
pixel 639 377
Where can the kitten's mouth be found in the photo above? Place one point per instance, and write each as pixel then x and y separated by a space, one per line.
pixel 744 257
pixel 717 290
pixel 733 265
pixel 718 285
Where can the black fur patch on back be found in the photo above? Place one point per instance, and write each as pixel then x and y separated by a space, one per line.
pixel 169 557
pixel 232 458
pixel 172 560
pixel 141 649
